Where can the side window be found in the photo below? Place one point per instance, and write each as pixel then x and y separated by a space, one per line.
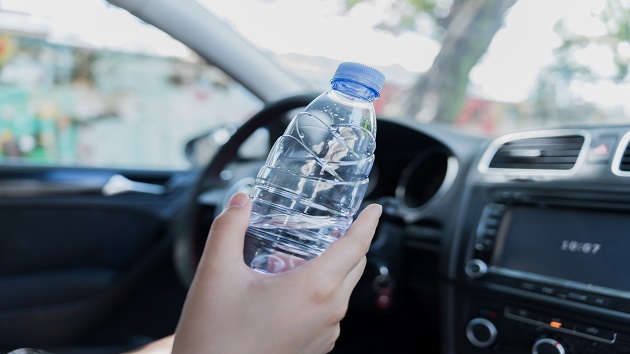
pixel 67 98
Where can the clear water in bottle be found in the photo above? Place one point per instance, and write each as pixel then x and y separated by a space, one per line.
pixel 316 174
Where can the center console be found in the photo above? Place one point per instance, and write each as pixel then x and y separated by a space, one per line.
pixel 541 256
pixel 546 273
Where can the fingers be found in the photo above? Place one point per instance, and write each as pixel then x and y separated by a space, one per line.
pixel 354 276
pixel 227 234
pixel 160 346
pixel 346 253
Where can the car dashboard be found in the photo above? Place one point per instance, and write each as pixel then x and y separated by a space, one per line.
pixel 527 232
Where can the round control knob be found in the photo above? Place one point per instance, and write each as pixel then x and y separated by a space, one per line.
pixel 481 332
pixel 548 346
pixel 476 268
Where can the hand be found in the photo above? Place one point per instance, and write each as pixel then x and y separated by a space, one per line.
pixel 160 346
pixel 231 308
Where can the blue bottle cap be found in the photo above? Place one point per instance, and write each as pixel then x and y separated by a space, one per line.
pixel 362 74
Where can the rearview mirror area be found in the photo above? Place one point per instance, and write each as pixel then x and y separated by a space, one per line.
pixel 200 150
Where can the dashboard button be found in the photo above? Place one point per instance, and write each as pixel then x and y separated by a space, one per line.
pixel 548 346
pixel 557 322
pixel 596 332
pixel 599 300
pixel 529 286
pixel 489 232
pixel 481 332
pixel 487 242
pixel 547 290
pixel 522 313
pixel 577 297
pixel 600 149
pixel 561 294
pixel 476 268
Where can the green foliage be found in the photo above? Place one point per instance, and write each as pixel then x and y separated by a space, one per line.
pixel 407 13
pixel 350 3
pixel 427 6
pixel 615 18
pixel 553 99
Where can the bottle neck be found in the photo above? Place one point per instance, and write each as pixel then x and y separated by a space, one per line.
pixel 354 89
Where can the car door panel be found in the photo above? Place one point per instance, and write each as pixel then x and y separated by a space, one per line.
pixel 70 254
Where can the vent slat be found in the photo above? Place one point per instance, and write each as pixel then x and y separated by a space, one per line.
pixel 543 146
pixel 536 166
pixel 541 153
pixel 624 164
pixel 544 153
pixel 536 160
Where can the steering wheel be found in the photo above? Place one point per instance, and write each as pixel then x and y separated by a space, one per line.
pixel 188 239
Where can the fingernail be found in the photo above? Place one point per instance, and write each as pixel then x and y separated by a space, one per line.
pixel 238 200
pixel 380 209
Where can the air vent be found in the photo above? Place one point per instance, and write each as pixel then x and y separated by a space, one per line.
pixel 558 152
pixel 621 161
pixel 624 162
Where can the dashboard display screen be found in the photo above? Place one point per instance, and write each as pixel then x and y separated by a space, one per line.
pixel 579 247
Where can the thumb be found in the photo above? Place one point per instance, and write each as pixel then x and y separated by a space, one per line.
pixel 345 253
pixel 227 233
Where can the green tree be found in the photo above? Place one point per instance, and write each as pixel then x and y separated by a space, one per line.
pixel 553 98
pixel 615 22
pixel 465 28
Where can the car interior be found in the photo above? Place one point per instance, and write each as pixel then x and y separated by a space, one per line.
pixel 510 242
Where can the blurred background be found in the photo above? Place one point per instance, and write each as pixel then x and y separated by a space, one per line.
pixel 85 83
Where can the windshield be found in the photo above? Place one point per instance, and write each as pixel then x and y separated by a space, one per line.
pixel 488 67
pixel 83 82
pixel 67 85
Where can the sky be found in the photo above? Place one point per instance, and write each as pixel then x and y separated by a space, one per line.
pixel 507 72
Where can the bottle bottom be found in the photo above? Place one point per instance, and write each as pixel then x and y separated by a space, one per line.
pixel 272 253
pixel 264 257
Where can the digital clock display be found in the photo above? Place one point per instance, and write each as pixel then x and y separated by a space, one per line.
pixel 585 246
pixel 582 247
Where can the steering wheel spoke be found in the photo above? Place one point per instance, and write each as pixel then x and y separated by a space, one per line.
pixel 211 190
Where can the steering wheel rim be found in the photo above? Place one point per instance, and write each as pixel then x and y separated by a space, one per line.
pixel 186 250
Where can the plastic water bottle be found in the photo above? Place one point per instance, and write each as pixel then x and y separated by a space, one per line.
pixel 316 174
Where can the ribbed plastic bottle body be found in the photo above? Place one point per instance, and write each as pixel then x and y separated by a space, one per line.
pixel 313 181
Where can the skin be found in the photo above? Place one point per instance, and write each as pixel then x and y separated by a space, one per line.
pixel 232 309
pixel 161 346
